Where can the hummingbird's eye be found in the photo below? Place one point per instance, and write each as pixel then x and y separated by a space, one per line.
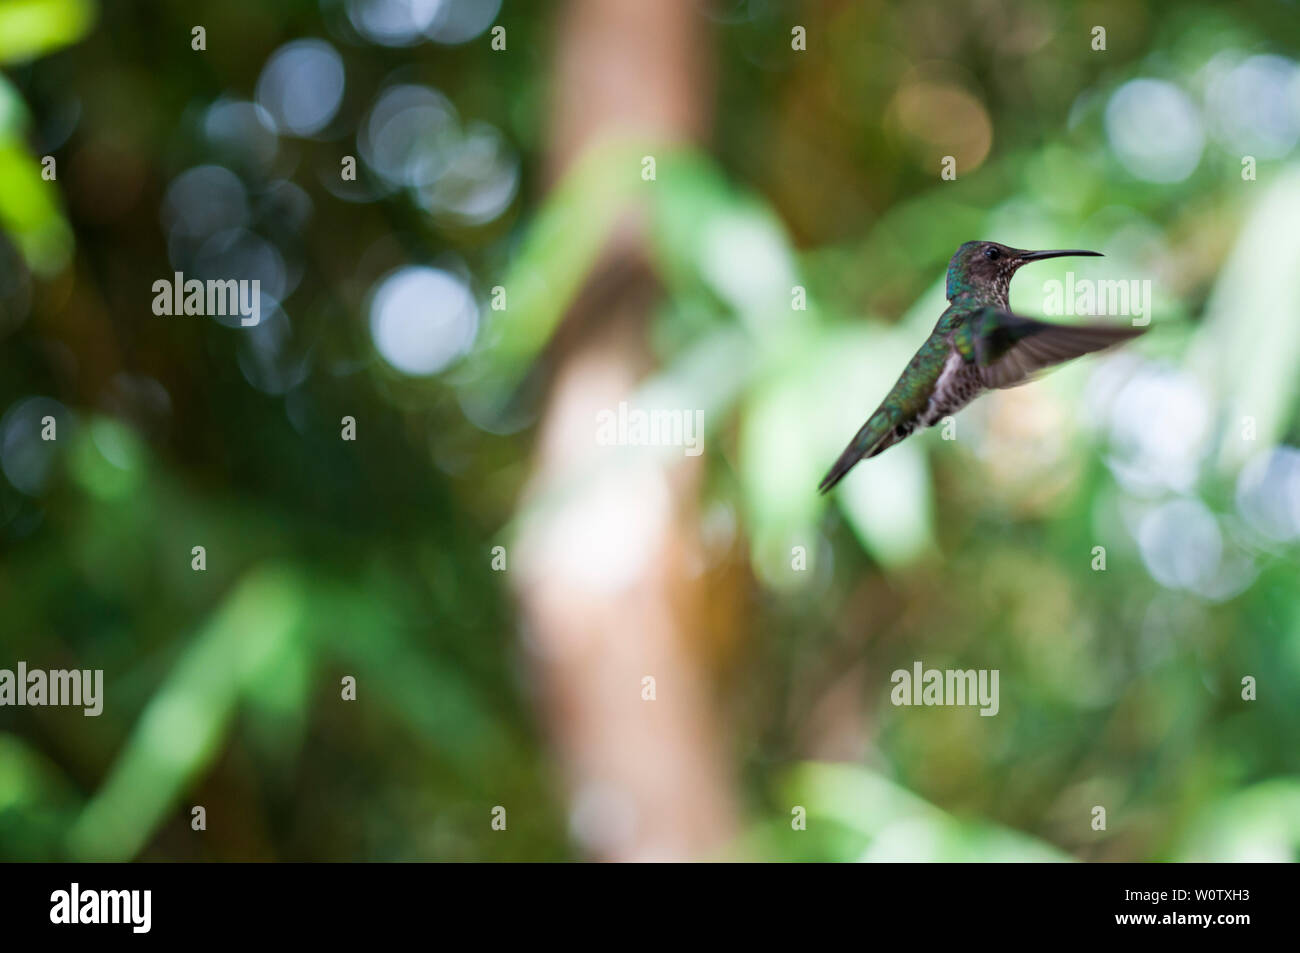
pixel 992 254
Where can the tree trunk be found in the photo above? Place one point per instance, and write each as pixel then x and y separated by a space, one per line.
pixel 609 585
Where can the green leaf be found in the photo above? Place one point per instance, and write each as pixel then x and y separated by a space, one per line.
pixel 559 251
pixel 27 777
pixel 707 234
pixel 14 115
pixel 1258 825
pixel 780 467
pixel 32 28
pixel 898 826
pixel 1253 321
pixel 180 731
pixel 889 505
pixel 29 211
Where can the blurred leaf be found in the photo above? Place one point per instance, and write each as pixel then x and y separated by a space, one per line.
pixel 1253 321
pixel 562 245
pixel 780 466
pixel 386 653
pixel 889 504
pixel 709 235
pixel 14 116
pixel 27 777
pixel 180 731
pixel 112 462
pixel 896 825
pixel 29 210
pixel 691 189
pixel 36 800
pixel 31 28
pixel 1259 824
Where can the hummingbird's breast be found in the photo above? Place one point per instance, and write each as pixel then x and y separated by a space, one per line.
pixel 958 384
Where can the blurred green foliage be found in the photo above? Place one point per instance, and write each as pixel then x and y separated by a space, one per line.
pixel 1120 687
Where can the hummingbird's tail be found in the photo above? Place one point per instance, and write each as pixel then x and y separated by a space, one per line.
pixel 877 434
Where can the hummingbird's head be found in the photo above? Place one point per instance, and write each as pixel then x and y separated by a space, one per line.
pixel 984 269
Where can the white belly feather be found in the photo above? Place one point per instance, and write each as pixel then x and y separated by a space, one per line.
pixel 957 386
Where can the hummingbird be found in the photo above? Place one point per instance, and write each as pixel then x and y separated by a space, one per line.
pixel 977 345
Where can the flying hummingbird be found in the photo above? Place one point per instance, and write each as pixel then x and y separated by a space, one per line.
pixel 977 345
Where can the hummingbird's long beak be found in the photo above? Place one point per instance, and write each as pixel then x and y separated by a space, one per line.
pixel 1040 255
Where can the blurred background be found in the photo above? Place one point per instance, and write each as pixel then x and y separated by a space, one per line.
pixel 636 653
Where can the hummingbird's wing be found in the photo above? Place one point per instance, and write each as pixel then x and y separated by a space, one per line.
pixel 1007 349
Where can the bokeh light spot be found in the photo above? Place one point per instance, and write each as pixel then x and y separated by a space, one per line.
pixel 301 86
pixel 421 319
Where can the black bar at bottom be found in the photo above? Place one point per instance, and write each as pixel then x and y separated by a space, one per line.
pixel 334 903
